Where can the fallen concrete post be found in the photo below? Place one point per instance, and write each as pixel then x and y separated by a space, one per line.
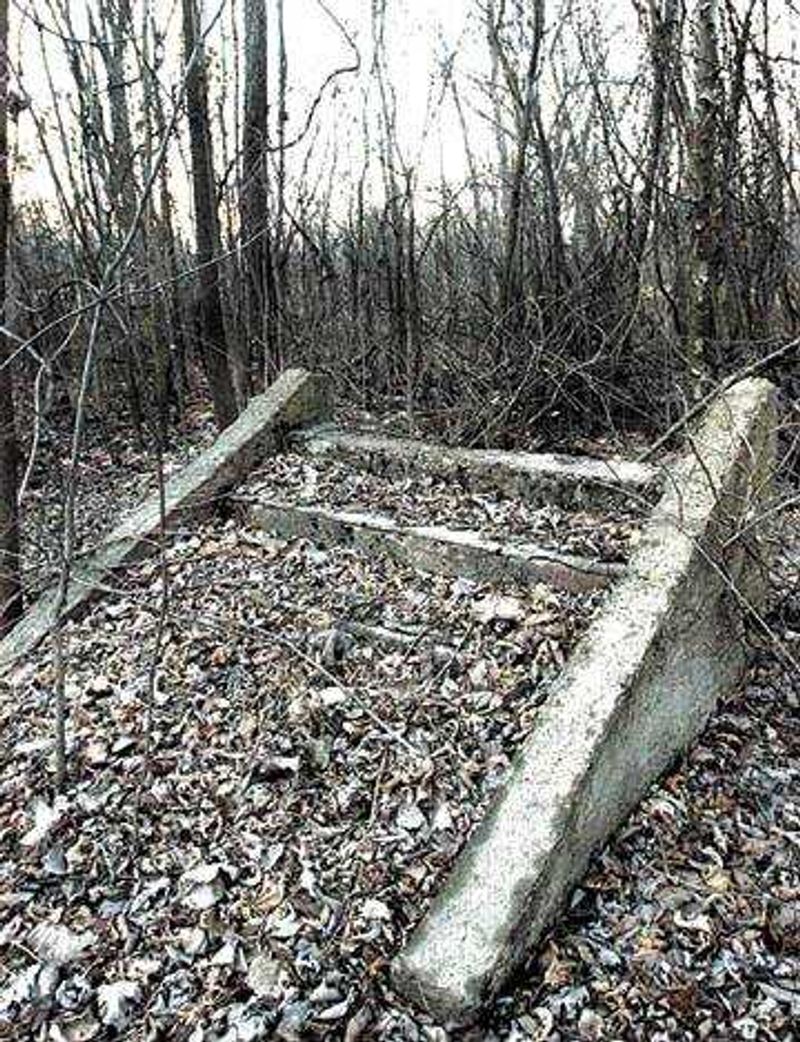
pixel 641 684
pixel 295 398
pixel 433 549
pixel 539 478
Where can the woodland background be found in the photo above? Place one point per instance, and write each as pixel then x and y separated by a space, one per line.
pixel 620 231
pixel 555 225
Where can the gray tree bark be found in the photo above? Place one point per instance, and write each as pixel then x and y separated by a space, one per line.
pixel 211 321
pixel 10 585
pixel 706 191
pixel 253 198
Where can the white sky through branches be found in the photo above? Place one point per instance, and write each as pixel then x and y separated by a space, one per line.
pixel 423 38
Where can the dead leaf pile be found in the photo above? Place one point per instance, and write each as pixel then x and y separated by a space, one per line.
pixel 252 829
pixel 253 826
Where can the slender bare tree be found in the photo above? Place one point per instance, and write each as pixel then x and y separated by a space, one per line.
pixel 525 103
pixel 253 201
pixel 211 321
pixel 10 586
pixel 707 197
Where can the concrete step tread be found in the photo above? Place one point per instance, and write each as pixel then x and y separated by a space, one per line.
pixel 435 500
pixel 432 547
pixel 540 477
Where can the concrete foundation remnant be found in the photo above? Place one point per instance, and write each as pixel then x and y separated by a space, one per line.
pixel 637 689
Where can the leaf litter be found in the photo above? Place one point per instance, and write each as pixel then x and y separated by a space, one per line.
pixel 247 840
pixel 424 499
pixel 245 846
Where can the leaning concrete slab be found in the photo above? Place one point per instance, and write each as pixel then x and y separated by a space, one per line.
pixel 540 478
pixel 434 549
pixel 639 687
pixel 296 397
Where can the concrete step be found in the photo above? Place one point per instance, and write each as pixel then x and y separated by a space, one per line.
pixel 434 549
pixel 539 478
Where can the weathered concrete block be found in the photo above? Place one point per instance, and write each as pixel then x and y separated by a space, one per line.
pixel 540 478
pixel 437 550
pixel 638 688
pixel 295 398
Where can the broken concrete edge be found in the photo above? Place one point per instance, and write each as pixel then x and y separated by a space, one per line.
pixel 539 478
pixel 433 549
pixel 638 688
pixel 296 397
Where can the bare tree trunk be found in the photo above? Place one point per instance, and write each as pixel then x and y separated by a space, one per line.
pixel 556 252
pixel 10 585
pixel 210 316
pixel 511 292
pixel 664 19
pixel 176 368
pixel 275 240
pixel 253 199
pixel 118 25
pixel 113 34
pixel 504 163
pixel 707 215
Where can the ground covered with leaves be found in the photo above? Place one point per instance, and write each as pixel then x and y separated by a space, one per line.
pixel 114 472
pixel 272 768
pixel 420 499
pixel 274 763
pixel 688 924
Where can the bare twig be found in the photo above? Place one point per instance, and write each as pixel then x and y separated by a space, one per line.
pixel 725 385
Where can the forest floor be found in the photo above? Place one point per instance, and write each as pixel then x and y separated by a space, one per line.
pixel 115 472
pixel 252 827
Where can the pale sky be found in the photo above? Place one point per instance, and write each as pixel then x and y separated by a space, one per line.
pixel 420 30
pixel 420 34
